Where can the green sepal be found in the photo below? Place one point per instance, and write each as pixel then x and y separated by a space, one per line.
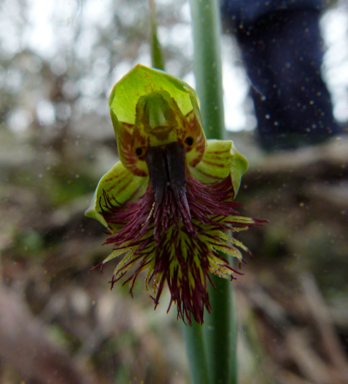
pixel 119 184
pixel 239 167
pixel 92 211
pixel 221 159
pixel 141 81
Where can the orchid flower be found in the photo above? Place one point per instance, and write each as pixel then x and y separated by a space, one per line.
pixel 168 202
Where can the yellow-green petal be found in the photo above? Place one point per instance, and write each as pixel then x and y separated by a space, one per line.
pixel 120 183
pixel 221 159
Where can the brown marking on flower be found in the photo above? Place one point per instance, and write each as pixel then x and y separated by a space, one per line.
pixel 207 174
pixel 116 177
pixel 219 152
pixel 121 189
pixel 216 164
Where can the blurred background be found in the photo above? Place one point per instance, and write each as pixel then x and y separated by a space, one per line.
pixel 59 321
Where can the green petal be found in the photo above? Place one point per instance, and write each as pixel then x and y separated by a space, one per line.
pixel 120 184
pixel 220 160
pixel 239 167
pixel 141 81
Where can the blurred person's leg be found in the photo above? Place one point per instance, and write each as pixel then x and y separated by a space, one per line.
pixel 283 55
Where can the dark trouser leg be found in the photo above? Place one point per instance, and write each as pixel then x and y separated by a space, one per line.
pixel 283 55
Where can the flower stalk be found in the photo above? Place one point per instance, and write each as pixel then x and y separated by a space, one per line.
pixel 156 50
pixel 220 328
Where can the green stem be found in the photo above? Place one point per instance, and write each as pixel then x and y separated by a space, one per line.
pixel 220 331
pixel 196 353
pixel 156 50
pixel 207 65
